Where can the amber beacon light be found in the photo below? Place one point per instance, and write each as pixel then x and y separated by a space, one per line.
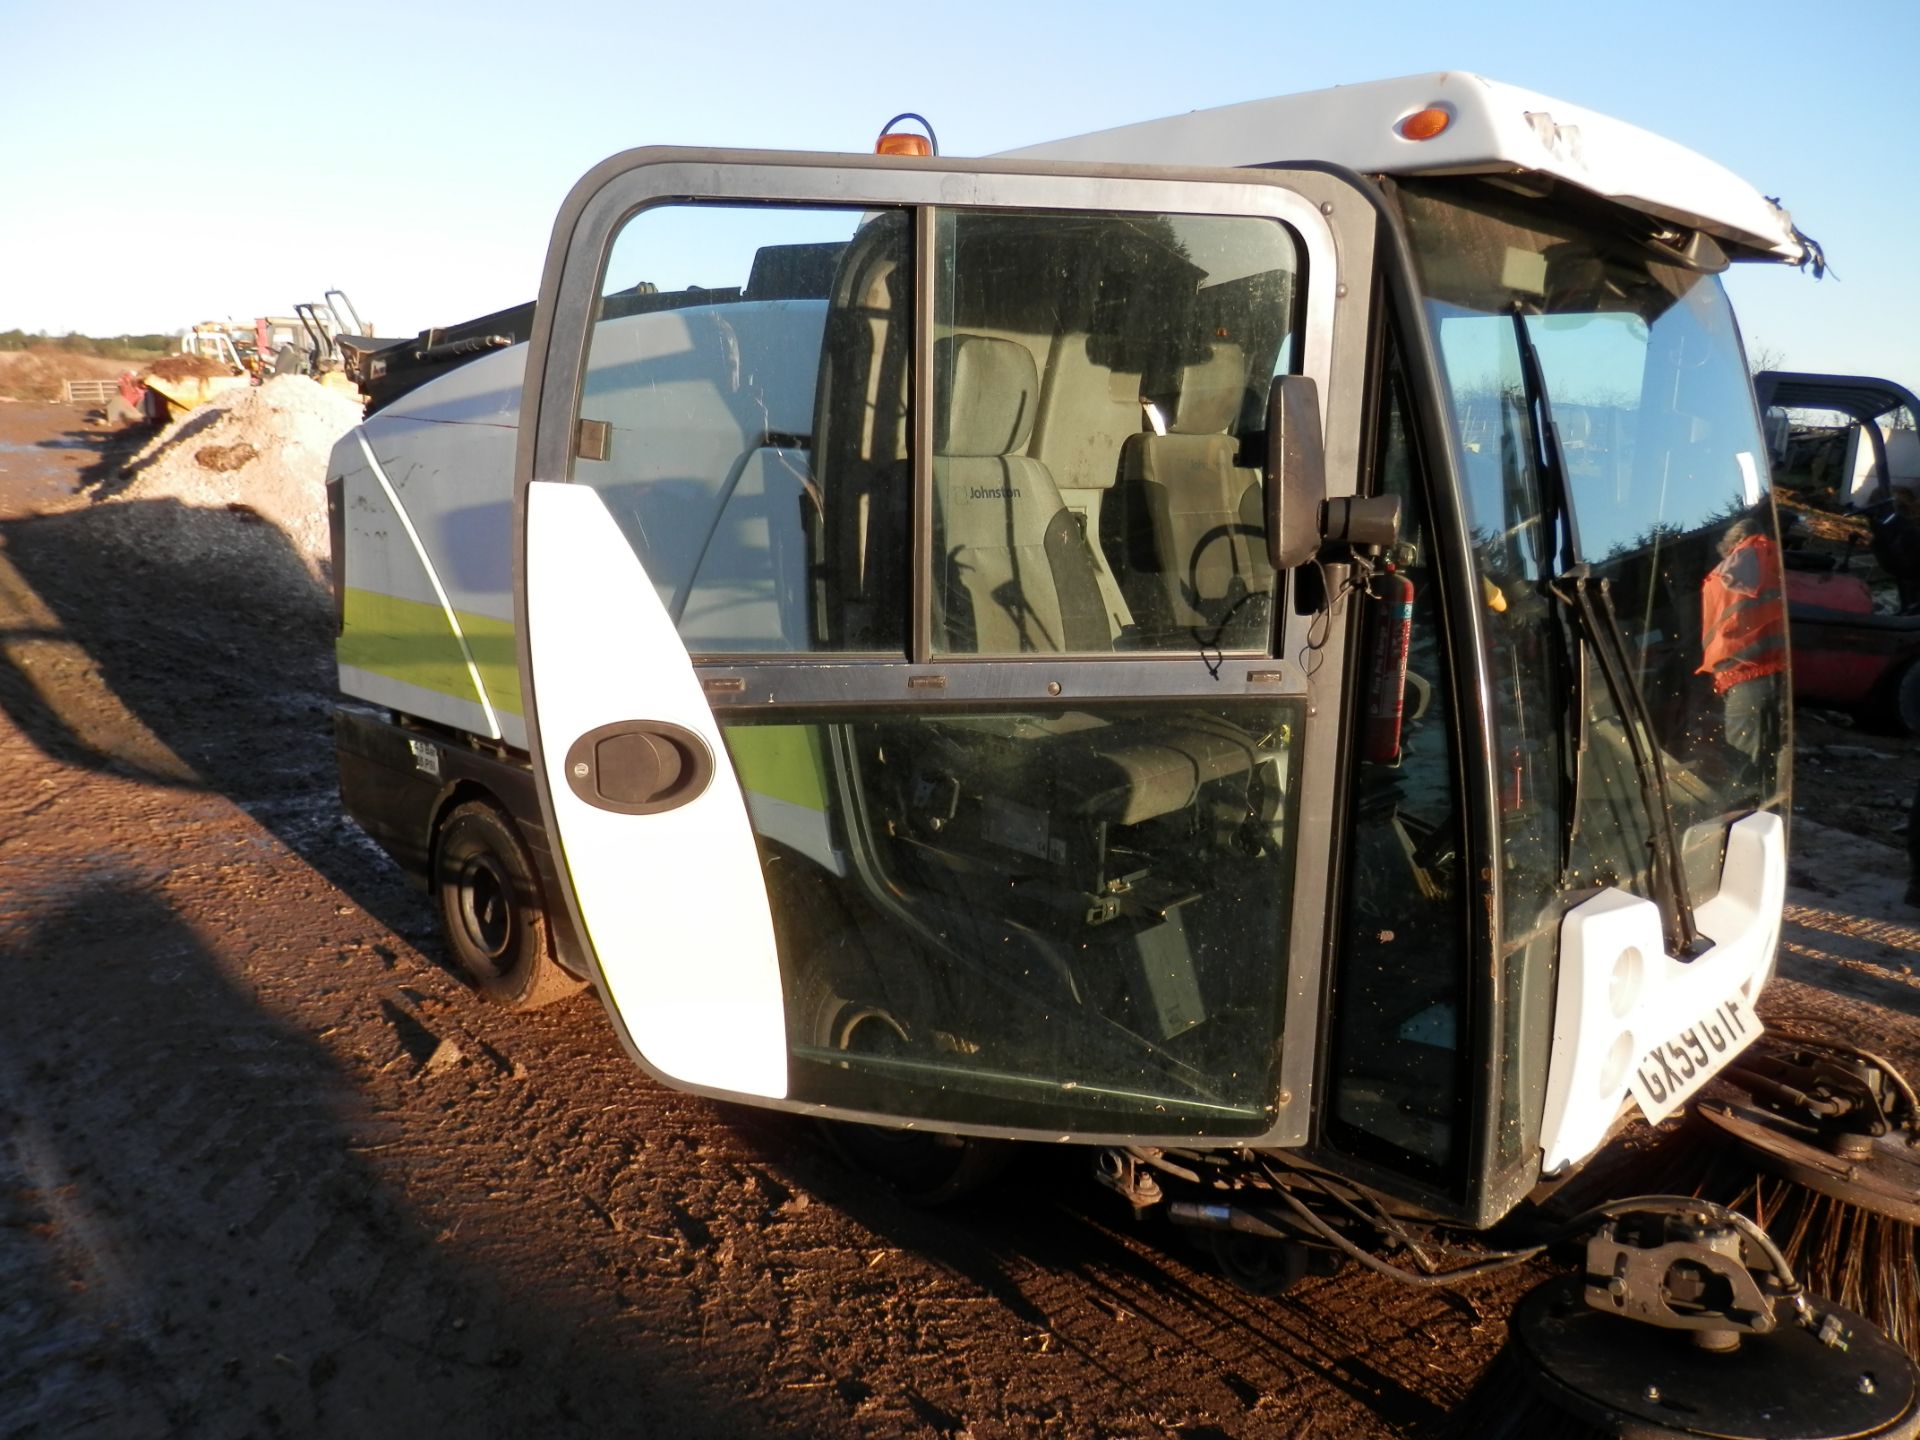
pixel 1425 124
pixel 906 143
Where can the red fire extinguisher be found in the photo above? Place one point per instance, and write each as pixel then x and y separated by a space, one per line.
pixel 1387 688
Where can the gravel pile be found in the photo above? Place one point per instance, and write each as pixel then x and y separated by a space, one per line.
pixel 257 453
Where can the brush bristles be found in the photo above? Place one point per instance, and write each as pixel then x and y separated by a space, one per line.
pixel 1858 1259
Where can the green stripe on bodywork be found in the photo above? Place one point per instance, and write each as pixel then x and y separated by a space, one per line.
pixel 496 656
pixel 785 762
pixel 412 641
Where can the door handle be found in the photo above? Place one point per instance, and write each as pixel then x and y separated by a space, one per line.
pixel 639 767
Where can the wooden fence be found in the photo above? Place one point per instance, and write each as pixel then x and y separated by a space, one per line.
pixel 88 392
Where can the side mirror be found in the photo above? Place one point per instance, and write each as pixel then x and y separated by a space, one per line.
pixel 1296 478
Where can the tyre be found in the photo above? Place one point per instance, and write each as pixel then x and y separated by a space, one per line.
pixel 1895 708
pixel 923 1169
pixel 491 914
pixel 1257 1265
pixel 844 1005
pixel 1906 700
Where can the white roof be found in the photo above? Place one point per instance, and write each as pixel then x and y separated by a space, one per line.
pixel 1495 128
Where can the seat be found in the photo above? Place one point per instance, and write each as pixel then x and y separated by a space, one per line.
pixel 1015 575
pixel 1192 520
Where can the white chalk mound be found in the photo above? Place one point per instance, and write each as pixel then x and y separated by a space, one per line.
pixel 259 450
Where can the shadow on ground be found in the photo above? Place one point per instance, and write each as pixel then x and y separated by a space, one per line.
pixel 193 1240
pixel 1062 1254
pixel 120 461
pixel 207 628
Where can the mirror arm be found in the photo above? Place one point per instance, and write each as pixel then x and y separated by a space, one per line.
pixel 1362 522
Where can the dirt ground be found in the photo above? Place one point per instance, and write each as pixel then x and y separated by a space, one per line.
pixel 267 1168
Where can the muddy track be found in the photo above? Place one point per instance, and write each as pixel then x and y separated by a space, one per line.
pixel 268 1168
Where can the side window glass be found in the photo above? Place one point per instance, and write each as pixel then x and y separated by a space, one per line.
pixel 743 416
pixel 1070 918
pixel 1097 379
pixel 1400 990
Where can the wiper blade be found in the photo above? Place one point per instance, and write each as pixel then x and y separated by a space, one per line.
pixel 1548 458
pixel 1589 603
pixel 1591 599
pixel 1561 525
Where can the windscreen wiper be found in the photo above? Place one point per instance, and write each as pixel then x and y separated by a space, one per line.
pixel 1588 601
pixel 1560 528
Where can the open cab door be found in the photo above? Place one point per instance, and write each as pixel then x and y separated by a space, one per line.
pixel 917 709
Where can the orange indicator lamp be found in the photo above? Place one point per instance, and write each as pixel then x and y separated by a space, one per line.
pixel 1425 124
pixel 906 143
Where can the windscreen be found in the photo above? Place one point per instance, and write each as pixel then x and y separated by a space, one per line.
pixel 1583 346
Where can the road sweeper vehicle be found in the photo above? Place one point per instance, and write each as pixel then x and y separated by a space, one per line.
pixel 1251 643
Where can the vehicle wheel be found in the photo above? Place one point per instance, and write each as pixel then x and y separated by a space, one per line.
pixel 1899 701
pixel 1257 1265
pixel 926 1169
pixel 491 915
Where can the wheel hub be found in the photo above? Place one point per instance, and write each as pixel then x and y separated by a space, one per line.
pixel 486 906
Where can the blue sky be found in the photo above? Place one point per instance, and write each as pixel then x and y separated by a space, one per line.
pixel 166 168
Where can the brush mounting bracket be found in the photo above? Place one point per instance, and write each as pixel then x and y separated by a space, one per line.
pixel 1665 1271
pixel 1846 1098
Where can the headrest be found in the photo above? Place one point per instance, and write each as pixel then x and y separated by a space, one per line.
pixel 984 392
pixel 1211 392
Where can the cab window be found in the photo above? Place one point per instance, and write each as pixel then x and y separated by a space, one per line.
pixel 1097 392
pixel 1400 982
pixel 1096 379
pixel 716 325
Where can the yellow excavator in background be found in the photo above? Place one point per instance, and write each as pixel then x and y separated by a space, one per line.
pixel 319 355
pixel 208 362
pixel 218 355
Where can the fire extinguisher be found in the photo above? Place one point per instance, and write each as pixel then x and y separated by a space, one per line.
pixel 1387 687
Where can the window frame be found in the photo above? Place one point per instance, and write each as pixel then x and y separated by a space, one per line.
pixel 650 179
pixel 1394 385
pixel 1336 225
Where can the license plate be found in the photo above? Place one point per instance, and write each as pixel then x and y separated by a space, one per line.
pixel 1672 1072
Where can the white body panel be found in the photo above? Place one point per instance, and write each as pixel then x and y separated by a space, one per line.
pixel 720 977
pixel 428 494
pixel 429 486
pixel 1620 992
pixel 1495 128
